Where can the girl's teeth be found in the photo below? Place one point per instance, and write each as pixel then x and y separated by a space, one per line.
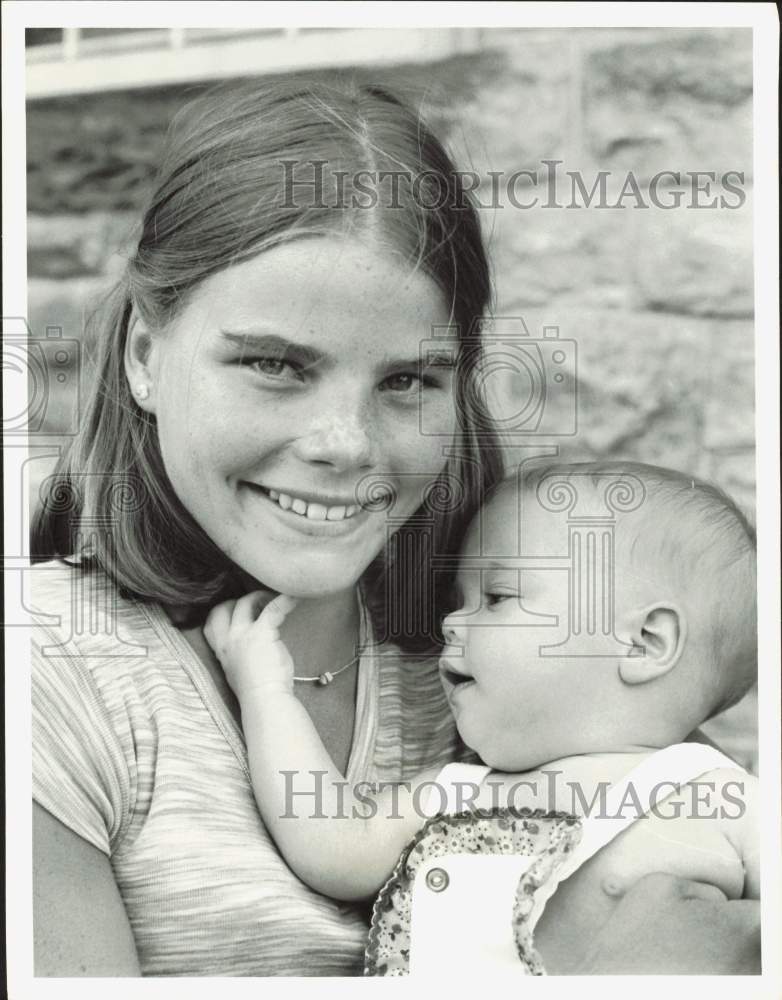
pixel 313 511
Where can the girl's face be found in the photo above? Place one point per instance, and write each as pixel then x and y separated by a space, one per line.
pixel 284 386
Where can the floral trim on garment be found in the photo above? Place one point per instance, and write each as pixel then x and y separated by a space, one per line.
pixel 549 835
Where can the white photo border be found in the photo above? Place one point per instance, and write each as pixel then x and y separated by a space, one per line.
pixel 17 16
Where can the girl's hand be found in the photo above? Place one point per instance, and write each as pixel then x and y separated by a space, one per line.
pixel 669 925
pixel 245 637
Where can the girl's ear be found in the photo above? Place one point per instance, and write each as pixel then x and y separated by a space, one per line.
pixel 140 363
pixel 658 634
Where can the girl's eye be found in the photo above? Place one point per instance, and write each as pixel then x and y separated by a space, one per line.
pixel 410 383
pixel 276 368
pixel 401 382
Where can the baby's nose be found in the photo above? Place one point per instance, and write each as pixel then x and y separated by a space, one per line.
pixel 450 633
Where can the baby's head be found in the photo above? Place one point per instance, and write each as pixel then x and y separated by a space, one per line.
pixel 603 606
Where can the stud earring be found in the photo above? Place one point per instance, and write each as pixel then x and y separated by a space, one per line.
pixel 142 390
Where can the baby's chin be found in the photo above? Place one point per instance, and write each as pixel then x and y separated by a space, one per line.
pixel 513 765
pixel 506 761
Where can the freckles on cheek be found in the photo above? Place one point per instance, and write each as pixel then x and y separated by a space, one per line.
pixel 441 417
pixel 210 459
pixel 426 455
pixel 196 462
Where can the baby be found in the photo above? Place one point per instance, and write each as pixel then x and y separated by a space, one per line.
pixel 606 611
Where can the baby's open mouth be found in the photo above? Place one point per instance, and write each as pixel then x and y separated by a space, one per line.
pixel 454 678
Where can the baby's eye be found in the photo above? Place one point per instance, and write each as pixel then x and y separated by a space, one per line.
pixel 495 597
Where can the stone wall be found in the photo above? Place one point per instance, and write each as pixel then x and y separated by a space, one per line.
pixel 659 301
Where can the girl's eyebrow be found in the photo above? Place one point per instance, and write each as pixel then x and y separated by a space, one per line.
pixel 444 360
pixel 256 343
pixel 252 342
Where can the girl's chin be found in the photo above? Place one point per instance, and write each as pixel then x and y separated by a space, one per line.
pixel 306 584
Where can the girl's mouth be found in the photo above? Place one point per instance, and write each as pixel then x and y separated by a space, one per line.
pixel 314 515
pixel 312 510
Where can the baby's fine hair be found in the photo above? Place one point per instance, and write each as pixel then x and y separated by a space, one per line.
pixel 700 537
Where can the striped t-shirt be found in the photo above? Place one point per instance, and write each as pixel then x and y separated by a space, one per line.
pixel 135 751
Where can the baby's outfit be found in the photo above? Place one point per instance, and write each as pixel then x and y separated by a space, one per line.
pixel 471 886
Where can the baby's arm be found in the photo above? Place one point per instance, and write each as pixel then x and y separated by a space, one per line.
pixel 345 843
pixel 741 821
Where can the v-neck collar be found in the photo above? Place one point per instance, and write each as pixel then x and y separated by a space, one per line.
pixel 362 749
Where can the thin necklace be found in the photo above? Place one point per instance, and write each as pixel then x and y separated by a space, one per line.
pixel 328 675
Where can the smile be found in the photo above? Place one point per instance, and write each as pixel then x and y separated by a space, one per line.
pixel 311 509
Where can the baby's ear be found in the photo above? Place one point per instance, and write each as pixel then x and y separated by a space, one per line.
pixel 658 635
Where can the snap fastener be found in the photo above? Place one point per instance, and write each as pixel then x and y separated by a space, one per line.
pixel 437 879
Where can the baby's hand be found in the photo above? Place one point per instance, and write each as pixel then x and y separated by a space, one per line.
pixel 246 640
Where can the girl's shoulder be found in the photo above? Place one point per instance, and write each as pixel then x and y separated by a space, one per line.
pixel 116 701
pixel 58 581
pixel 77 611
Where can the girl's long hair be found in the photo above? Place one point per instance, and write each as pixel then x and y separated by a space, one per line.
pixel 245 169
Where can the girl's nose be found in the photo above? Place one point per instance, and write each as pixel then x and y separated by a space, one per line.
pixel 340 440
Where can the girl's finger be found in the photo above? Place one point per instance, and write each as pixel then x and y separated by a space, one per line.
pixel 275 613
pixel 703 890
